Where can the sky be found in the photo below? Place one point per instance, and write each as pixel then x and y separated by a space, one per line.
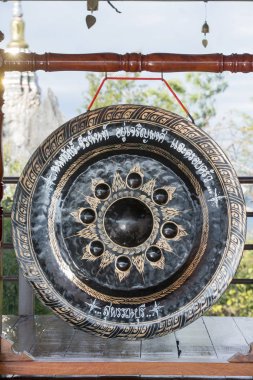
pixel 143 26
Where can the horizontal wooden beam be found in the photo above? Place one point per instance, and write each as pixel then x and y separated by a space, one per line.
pixel 33 368
pixel 129 62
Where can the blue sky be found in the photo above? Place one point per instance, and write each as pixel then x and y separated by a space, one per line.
pixel 150 26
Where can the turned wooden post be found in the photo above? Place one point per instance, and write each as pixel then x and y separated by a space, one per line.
pixel 130 62
pixel 1 198
pixel 1 186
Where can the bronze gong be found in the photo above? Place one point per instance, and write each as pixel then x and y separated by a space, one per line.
pixel 129 222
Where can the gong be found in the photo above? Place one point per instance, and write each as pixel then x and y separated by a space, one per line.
pixel 129 222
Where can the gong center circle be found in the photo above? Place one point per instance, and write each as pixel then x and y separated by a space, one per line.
pixel 128 222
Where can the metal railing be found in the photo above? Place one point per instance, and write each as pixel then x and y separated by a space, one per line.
pixel 26 297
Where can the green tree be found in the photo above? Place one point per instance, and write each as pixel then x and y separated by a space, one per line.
pixel 238 299
pixel 10 265
pixel 200 91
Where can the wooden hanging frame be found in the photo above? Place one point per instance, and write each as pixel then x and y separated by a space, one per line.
pixel 112 62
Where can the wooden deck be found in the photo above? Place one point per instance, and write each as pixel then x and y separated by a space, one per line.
pixel 45 345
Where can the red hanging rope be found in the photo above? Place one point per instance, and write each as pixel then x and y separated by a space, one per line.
pixel 141 78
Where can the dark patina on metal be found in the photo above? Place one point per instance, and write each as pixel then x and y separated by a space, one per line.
pixel 129 222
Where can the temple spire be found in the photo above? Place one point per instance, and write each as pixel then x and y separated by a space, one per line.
pixel 17 28
pixel 28 118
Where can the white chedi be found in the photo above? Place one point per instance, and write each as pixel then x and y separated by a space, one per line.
pixel 28 119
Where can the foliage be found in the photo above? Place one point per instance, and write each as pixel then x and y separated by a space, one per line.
pixel 10 297
pixel 10 265
pixel 234 133
pixel 200 90
pixel 238 299
pixel 202 97
pixel 40 308
pixel 241 147
pixel 10 268
pixel 114 92
pixel 11 167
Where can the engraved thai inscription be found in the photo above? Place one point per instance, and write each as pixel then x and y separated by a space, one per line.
pixel 129 222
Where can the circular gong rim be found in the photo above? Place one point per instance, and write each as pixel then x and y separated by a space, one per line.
pixel 180 127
